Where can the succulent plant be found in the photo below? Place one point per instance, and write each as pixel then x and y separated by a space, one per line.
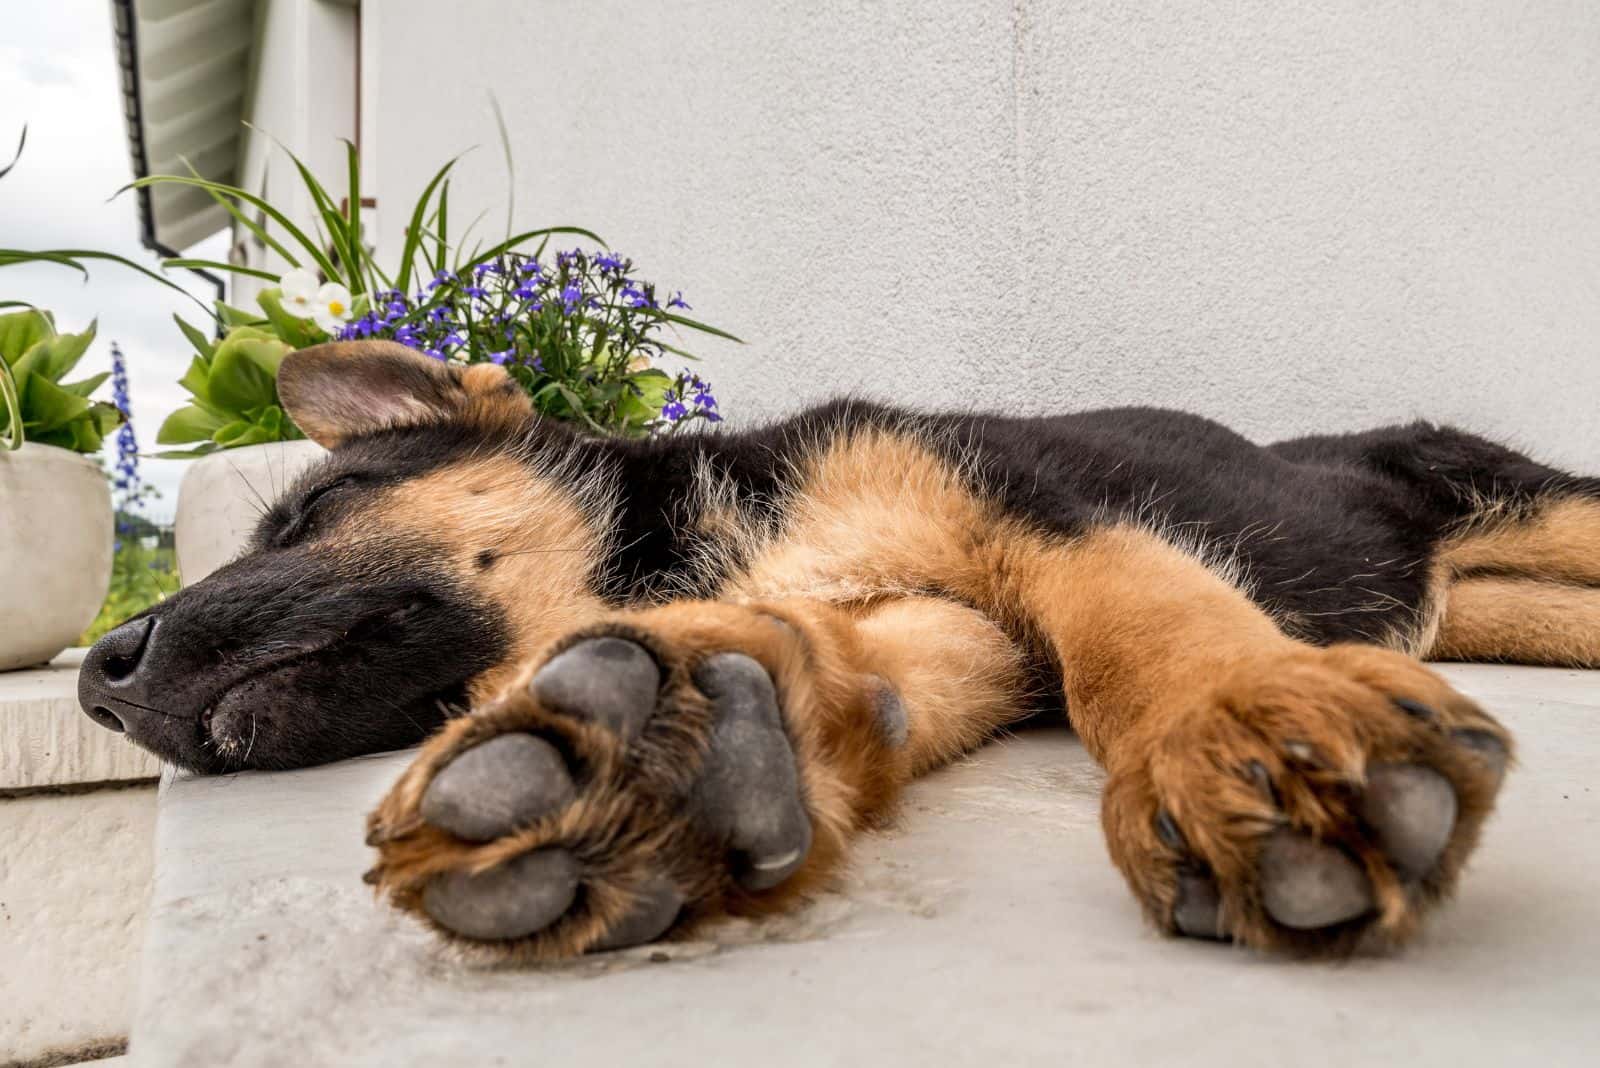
pixel 35 404
pixel 234 383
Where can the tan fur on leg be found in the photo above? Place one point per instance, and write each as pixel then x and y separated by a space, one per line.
pixel 1520 621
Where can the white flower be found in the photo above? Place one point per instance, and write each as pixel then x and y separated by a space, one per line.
pixel 299 289
pixel 331 309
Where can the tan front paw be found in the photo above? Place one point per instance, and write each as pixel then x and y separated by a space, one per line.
pixel 628 786
pixel 1315 801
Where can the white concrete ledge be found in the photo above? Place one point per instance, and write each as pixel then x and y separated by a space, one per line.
pixel 46 740
pixel 987 927
pixel 77 819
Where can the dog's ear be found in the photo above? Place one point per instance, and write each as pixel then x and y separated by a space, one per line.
pixel 345 389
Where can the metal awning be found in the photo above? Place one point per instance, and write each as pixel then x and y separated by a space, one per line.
pixel 185 72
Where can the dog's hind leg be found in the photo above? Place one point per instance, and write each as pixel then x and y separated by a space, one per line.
pixel 1557 541
pixel 681 761
pixel 1523 588
pixel 1520 621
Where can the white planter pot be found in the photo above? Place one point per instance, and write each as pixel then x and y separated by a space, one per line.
pixel 222 497
pixel 55 551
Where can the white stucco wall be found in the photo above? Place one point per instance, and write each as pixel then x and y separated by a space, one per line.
pixel 1284 214
pixel 303 93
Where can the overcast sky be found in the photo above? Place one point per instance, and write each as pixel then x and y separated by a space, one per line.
pixel 59 75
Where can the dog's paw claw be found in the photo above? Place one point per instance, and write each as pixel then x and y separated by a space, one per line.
pixel 1198 909
pixel 1488 747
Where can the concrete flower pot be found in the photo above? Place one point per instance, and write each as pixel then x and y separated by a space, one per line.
pixel 222 497
pixel 55 551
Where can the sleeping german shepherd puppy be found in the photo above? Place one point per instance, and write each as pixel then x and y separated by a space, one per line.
pixel 698 665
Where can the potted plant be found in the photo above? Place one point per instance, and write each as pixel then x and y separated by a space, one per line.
pixel 580 334
pixel 247 450
pixel 55 505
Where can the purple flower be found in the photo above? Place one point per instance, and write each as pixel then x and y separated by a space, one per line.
pixel 609 262
pixel 500 357
pixel 677 301
pixel 129 487
pixel 634 297
pixel 570 296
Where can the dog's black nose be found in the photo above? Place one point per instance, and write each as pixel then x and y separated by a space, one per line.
pixel 111 687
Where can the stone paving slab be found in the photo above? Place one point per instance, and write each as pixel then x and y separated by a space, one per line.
pixel 988 927
pixel 46 740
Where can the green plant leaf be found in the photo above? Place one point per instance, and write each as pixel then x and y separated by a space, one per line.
pixel 511 165
pixel 20 331
pixel 512 242
pixel 408 253
pixel 197 337
pixel 196 377
pixel 189 454
pixel 299 235
pixel 69 257
pixel 248 223
pixel 62 352
pixel 240 433
pixel 87 385
pixel 441 223
pixel 352 218
pixel 694 324
pixel 21 141
pixel 217 265
pixel 243 373
pixel 10 410
pixel 231 316
pixel 578 406
pixel 50 407
pixel 189 423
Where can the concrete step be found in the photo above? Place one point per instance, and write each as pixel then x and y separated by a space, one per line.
pixel 987 926
pixel 46 740
pixel 77 821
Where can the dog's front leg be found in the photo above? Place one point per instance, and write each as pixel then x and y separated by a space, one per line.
pixel 678 762
pixel 1259 788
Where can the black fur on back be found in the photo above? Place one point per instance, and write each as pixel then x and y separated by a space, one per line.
pixel 1331 534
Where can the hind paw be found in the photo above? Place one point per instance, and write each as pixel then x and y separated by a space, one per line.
pixel 627 785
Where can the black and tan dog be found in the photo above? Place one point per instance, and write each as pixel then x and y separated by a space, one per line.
pixel 698 665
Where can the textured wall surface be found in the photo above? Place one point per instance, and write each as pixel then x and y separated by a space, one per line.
pixel 1286 215
pixel 304 97
pixel 74 882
